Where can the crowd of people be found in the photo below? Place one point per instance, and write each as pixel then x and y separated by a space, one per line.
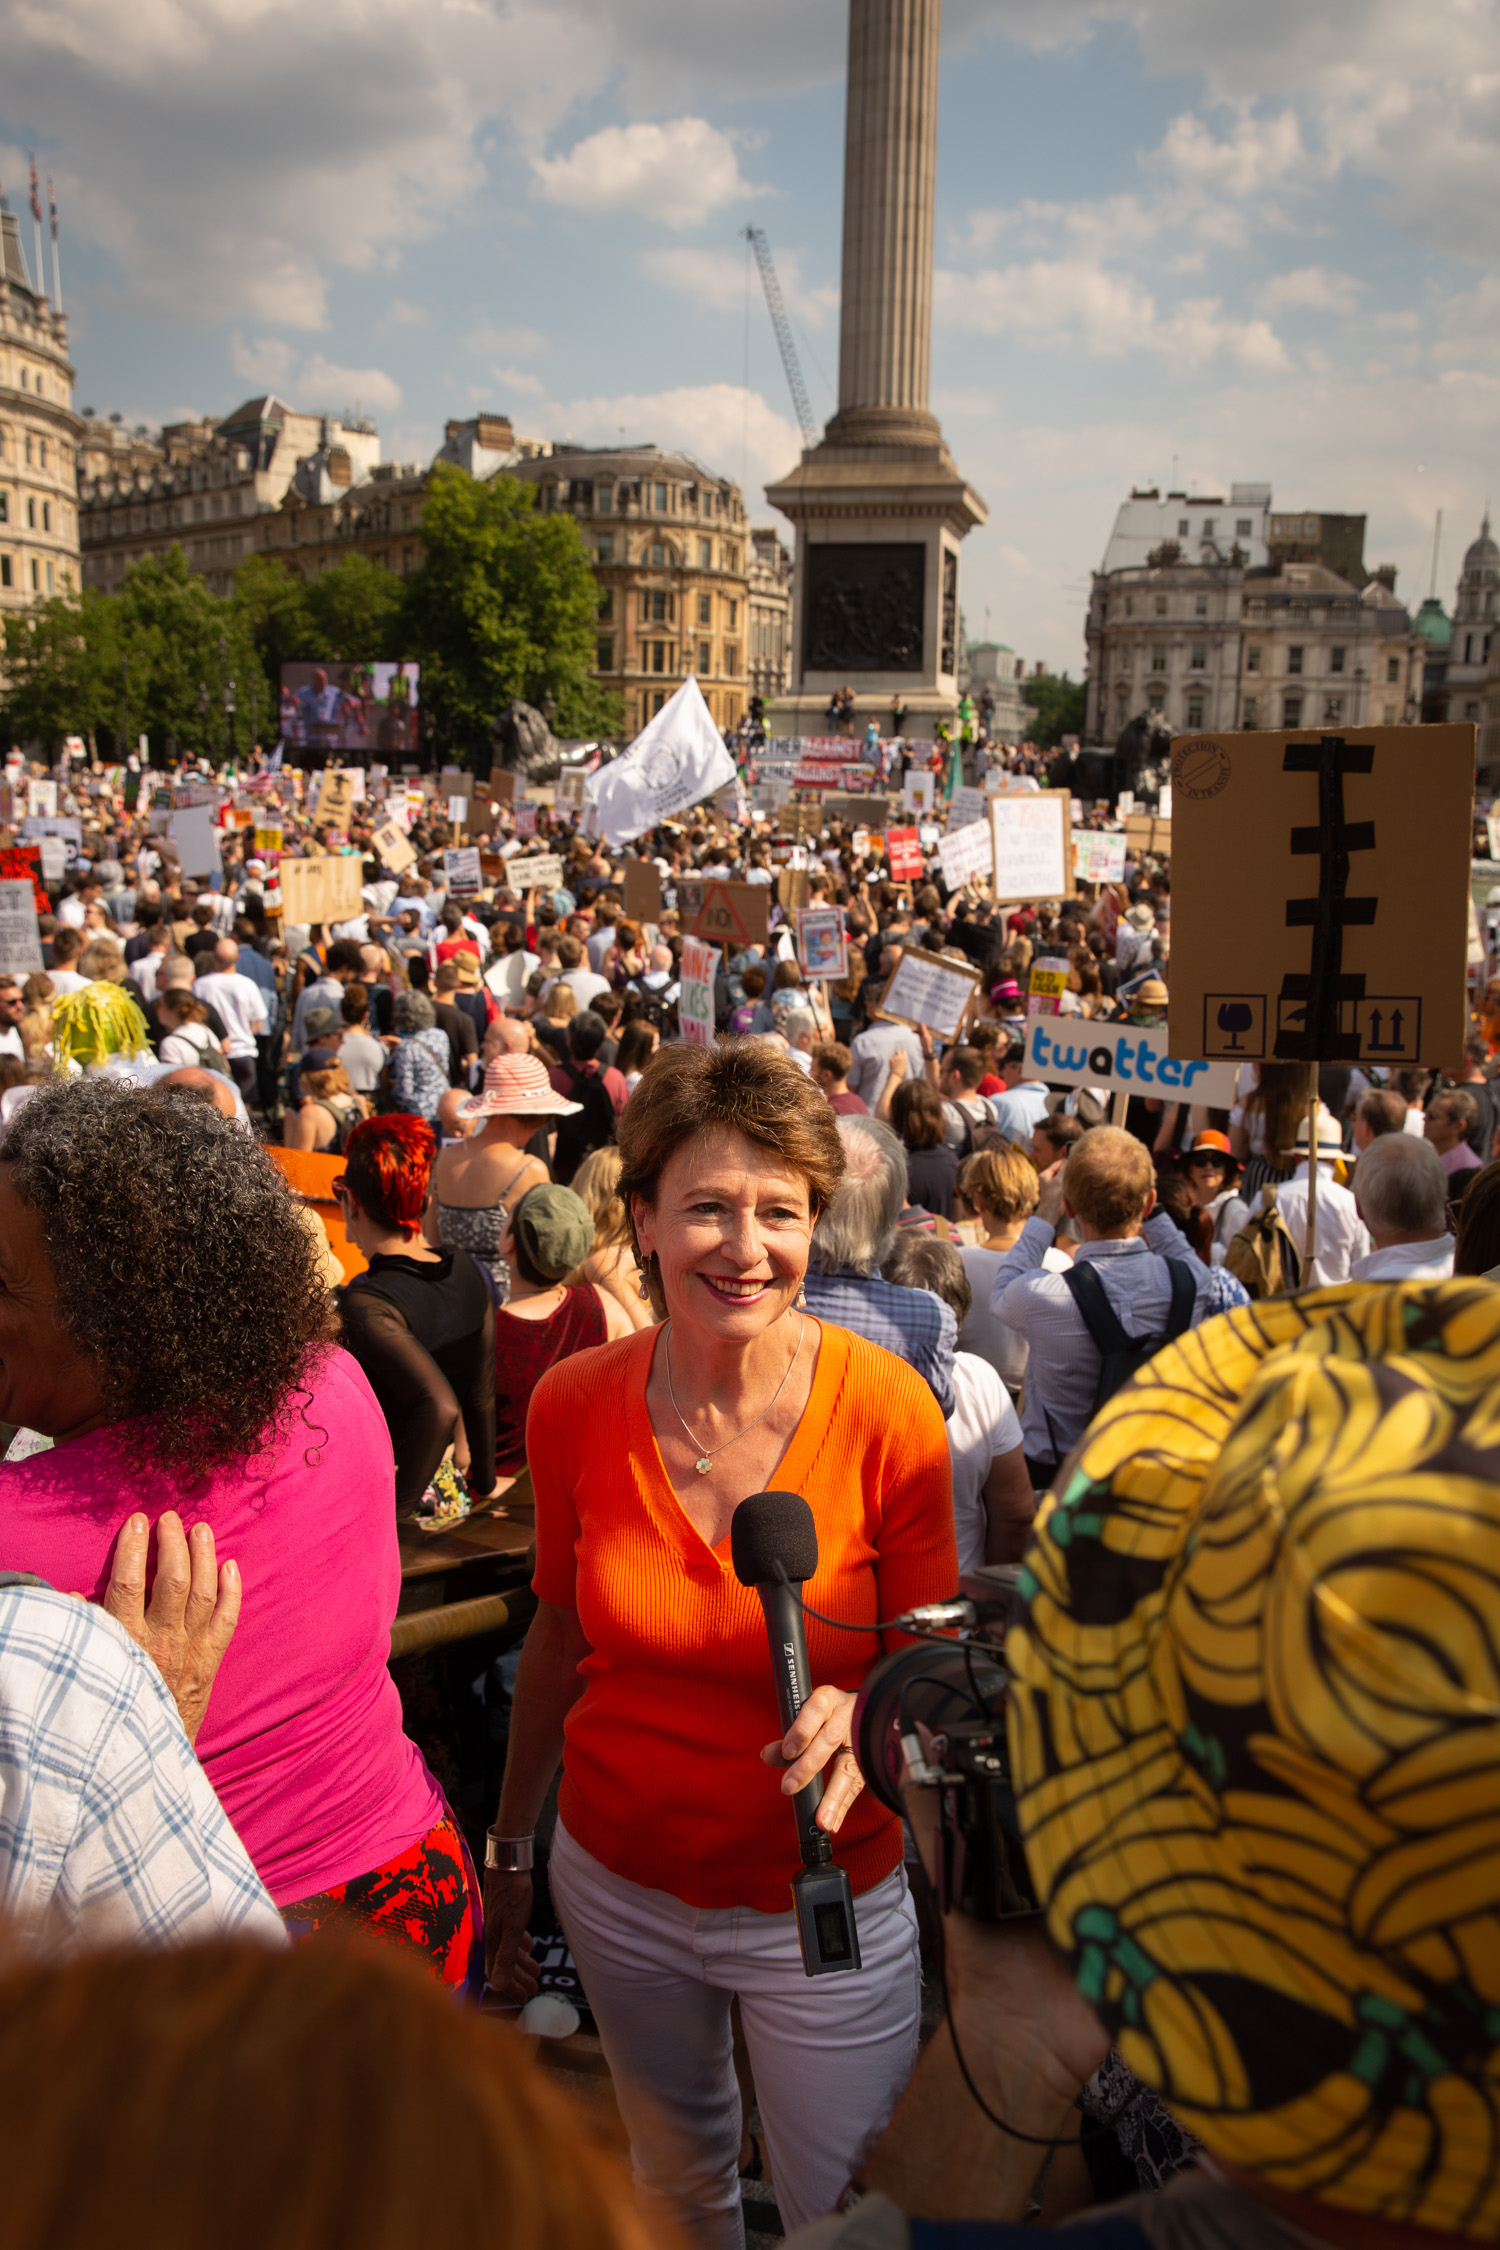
pixel 604 1270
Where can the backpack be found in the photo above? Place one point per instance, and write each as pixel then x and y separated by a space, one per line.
pixel 1121 1354
pixel 1263 1255
pixel 591 1127
pixel 654 1007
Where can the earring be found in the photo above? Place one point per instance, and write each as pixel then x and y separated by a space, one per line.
pixel 801 1298
pixel 641 1288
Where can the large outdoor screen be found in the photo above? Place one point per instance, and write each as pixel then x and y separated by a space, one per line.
pixel 369 707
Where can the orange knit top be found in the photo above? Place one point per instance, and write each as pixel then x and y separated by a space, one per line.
pixel 662 1779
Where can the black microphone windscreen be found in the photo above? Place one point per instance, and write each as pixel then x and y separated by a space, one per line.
pixel 771 1528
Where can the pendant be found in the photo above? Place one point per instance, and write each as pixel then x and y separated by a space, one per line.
pixel 704 1466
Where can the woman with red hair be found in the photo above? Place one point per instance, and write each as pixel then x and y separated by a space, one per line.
pixel 420 1322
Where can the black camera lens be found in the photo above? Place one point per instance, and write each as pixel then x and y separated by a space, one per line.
pixel 939 1682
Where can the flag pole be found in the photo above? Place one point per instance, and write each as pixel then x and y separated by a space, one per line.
pixel 36 229
pixel 56 253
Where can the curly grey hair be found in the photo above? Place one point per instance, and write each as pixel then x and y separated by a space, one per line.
pixel 413 1011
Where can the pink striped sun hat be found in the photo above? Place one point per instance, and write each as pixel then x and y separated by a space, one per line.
pixel 517 1086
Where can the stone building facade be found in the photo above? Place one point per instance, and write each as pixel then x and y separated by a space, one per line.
pixel 770 644
pixel 1214 647
pixel 671 553
pixel 206 488
pixel 39 437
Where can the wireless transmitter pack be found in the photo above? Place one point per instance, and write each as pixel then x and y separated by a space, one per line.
pixel 769 1529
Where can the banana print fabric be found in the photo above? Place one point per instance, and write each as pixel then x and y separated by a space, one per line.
pixel 1255 1728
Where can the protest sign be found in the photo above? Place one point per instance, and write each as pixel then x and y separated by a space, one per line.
pixel 919 793
pixel 642 890
pixel 335 799
pixel 535 871
pixel 525 817
pixel 678 758
pixel 1033 846
pixel 873 810
pixel 822 773
pixel 71 831
pixel 458 812
pixel 267 837
pixel 695 996
pixel 41 799
pixel 20 939
pixel 502 785
pixel 904 850
pixel 570 786
pixel 461 871
pixel 1049 981
pixel 1098 856
pixel 800 820
pixel 321 890
pixel 54 858
pixel 192 829
pixel 393 847
pixel 1069 1051
pixel 793 889
pixel 1347 936
pixel 964 806
pixel 1144 832
pixel 929 988
pixel 737 914
pixel 822 948
pixel 966 853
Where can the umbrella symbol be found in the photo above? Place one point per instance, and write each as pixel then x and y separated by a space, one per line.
pixel 1234 1017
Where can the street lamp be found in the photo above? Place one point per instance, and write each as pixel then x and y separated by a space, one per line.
pixel 203 715
pixel 224 688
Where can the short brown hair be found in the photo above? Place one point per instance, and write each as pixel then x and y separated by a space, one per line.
pixel 740 1086
pixel 1383 1112
pixel 227 2075
pixel 917 1113
pixel 1109 1178
pixel 1062 1131
pixel 834 1057
pixel 1001 1182
pixel 967 1066
pixel 570 951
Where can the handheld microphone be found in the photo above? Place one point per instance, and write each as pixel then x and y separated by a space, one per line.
pixel 769 1530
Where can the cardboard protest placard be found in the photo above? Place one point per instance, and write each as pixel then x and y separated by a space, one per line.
pixel 965 854
pixel 793 889
pixel 502 785
pixel 1319 895
pixel 461 871
pixel 904 848
pixel 393 847
pixel 535 871
pixel 737 914
pixel 875 811
pixel 1032 838
pixel 570 786
pixel 1071 1051
pixel 695 994
pixel 20 938
pixel 822 947
pixel 335 799
pixel 1098 856
pixel 1144 832
pixel 800 821
pixel 642 890
pixel 321 890
pixel 929 988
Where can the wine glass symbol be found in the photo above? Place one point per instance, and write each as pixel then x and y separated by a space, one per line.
pixel 1236 1016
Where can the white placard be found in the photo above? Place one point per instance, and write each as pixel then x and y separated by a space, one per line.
pixel 194 831
pixel 1070 1051
pixel 458 811
pixel 20 939
pixel 1098 856
pixel 695 997
pixel 966 806
pixel 822 947
pixel 536 871
pixel 1033 845
pixel 919 792
pixel 461 871
pixel 54 858
pixel 1125 803
pixel 966 853
pixel 41 799
pixel 930 990
pixel 525 820
pixel 71 831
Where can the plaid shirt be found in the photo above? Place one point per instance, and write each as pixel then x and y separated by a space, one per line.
pixel 914 1324
pixel 108 1826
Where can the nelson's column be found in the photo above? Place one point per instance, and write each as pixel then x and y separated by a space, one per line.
pixel 879 506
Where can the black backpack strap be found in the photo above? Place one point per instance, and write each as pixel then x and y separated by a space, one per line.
pixel 1184 1296
pixel 1097 1313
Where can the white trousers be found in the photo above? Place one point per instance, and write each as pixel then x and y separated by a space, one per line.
pixel 830 2054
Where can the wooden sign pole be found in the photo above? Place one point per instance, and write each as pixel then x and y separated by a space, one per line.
pixel 1311 1246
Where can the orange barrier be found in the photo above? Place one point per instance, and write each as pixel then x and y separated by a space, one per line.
pixel 312 1176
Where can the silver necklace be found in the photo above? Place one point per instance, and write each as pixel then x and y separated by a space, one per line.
pixel 705 1461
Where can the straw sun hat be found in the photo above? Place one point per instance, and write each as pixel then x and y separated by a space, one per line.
pixel 517 1086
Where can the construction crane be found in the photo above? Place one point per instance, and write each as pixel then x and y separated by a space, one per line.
pixel 776 307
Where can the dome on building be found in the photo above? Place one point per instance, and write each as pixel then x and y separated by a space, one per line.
pixel 1484 554
pixel 1433 623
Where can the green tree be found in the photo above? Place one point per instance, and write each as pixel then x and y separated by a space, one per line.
pixel 504 606
pixel 1059 704
pixel 271 603
pixel 193 645
pixel 349 615
pixel 61 669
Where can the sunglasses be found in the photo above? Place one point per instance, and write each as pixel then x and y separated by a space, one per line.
pixel 1207 1156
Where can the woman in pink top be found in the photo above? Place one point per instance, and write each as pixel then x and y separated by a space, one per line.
pixel 163 1322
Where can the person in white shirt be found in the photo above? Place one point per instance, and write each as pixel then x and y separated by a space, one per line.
pixel 242 1007
pixel 604 934
pixel 508 972
pixel 800 1031
pixel 1402 1193
pixel 67 944
pixel 581 982
pixel 12 1008
pixel 1342 1238
pixel 993 1500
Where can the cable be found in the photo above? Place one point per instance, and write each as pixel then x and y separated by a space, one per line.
pixel 884 1624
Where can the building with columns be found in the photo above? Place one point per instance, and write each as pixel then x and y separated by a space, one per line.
pixel 39 436
pixel 880 509
pixel 770 643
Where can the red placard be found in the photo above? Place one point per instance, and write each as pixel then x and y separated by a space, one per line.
pixel 904 849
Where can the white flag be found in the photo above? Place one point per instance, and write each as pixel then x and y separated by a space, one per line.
pixel 678 758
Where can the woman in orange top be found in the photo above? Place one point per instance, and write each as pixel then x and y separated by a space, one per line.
pixel 646 1670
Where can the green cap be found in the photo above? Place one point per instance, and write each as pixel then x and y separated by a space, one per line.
pixel 554 1229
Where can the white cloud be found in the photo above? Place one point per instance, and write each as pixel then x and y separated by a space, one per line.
pixel 488 342
pixel 731 431
pixel 1259 153
pixel 400 314
pixel 326 388
pixel 520 380
pixel 717 278
pixel 265 361
pixel 1310 289
pixel 1062 301
pixel 677 173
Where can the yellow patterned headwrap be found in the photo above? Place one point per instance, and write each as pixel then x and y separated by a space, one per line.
pixel 1255 1727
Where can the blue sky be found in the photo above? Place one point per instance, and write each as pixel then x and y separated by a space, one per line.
pixel 1177 239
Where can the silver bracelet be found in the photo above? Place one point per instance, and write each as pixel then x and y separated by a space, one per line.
pixel 511 1855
